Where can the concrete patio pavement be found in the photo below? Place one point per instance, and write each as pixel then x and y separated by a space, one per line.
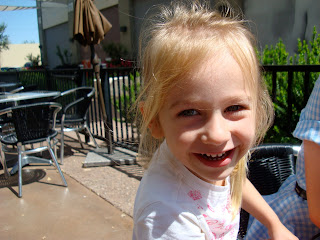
pixel 97 204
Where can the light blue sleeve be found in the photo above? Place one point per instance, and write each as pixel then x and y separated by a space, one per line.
pixel 308 127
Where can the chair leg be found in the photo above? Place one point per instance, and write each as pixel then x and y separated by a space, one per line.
pixel 61 146
pixel 88 130
pixel 56 163
pixel 79 139
pixel 54 141
pixel 20 170
pixel 4 163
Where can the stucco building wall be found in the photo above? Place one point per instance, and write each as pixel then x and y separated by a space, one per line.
pixel 16 55
pixel 270 20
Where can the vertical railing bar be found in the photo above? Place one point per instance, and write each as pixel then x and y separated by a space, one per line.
pixel 125 73
pixel 140 85
pixel 103 127
pixel 274 86
pixel 114 108
pixel 120 106
pixel 98 108
pixel 83 81
pixel 109 130
pixel 135 99
pixel 290 80
pixel 95 105
pixel 306 87
pixel 99 123
pixel 131 99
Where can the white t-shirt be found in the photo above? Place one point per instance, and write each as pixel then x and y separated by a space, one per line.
pixel 172 203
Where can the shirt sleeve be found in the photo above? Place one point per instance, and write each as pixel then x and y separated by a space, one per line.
pixel 308 127
pixel 159 221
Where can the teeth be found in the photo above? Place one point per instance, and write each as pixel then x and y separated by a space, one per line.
pixel 213 156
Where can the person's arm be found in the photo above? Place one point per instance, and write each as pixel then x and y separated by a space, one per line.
pixel 312 168
pixel 253 203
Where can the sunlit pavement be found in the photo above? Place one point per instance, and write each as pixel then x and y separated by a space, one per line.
pixel 97 204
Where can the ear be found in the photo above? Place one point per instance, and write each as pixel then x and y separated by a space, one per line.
pixel 156 129
pixel 154 126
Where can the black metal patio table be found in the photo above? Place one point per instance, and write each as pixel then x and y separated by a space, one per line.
pixel 32 95
pixel 7 86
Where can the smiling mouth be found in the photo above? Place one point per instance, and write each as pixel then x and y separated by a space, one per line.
pixel 215 157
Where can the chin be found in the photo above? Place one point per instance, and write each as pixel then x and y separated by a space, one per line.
pixel 222 176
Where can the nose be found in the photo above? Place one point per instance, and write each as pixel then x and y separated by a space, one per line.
pixel 216 130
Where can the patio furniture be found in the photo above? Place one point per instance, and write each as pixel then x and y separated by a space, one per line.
pixel 73 117
pixel 9 86
pixel 269 166
pixel 15 98
pixel 33 124
pixel 25 88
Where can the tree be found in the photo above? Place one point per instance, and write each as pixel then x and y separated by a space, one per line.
pixel 4 39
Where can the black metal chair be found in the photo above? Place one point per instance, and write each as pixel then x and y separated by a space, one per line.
pixel 75 104
pixel 33 124
pixel 269 166
pixel 5 125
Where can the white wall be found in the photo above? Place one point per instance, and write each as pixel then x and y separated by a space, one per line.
pixel 285 19
pixel 16 55
pixel 55 13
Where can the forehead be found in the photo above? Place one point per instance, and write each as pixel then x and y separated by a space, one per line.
pixel 214 81
pixel 217 72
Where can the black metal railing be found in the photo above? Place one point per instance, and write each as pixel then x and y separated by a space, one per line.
pixel 121 87
pixel 121 90
pixel 290 87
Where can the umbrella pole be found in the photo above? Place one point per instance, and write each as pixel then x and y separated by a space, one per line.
pixel 96 68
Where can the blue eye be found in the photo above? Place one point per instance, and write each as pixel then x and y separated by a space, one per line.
pixel 234 108
pixel 188 113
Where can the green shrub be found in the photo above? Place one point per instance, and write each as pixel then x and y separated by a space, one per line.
pixel 308 54
pixel 127 98
pixel 116 52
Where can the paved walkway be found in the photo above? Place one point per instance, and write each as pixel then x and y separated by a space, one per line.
pixel 97 204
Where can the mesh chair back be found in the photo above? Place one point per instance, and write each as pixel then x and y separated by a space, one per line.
pixel 34 121
pixel 270 166
pixel 75 103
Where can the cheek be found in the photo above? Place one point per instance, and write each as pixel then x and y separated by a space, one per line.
pixel 178 131
pixel 249 131
pixel 246 129
pixel 183 136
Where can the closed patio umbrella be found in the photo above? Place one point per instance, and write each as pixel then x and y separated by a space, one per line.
pixel 90 27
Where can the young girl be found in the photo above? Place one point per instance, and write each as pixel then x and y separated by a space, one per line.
pixel 203 106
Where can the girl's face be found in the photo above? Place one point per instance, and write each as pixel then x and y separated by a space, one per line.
pixel 208 119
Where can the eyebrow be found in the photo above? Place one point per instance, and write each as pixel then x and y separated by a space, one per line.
pixel 233 99
pixel 180 102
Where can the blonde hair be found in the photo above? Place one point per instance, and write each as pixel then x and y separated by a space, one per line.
pixel 178 40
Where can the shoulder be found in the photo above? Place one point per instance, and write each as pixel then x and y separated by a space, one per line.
pixel 157 188
pixel 161 182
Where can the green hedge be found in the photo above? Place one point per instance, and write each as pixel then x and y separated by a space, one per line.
pixel 308 53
